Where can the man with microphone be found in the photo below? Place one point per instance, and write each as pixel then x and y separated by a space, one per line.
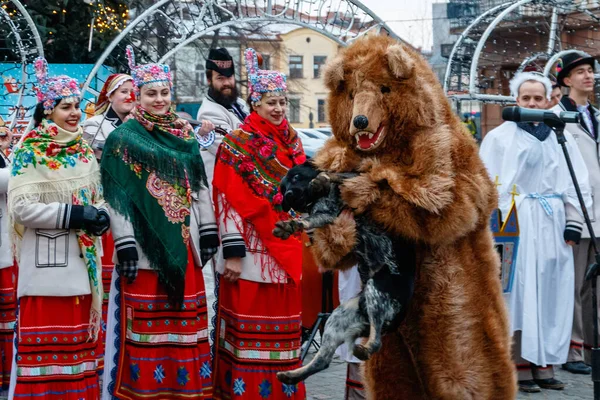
pixel 525 158
pixel 576 71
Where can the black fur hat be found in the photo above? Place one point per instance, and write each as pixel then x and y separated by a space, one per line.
pixel 219 60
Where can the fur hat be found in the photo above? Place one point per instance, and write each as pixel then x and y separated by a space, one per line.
pixel 153 75
pixel 522 77
pixel 219 60
pixel 263 82
pixel 569 61
pixel 113 82
pixel 51 89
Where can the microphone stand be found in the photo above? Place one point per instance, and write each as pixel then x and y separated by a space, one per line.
pixel 592 273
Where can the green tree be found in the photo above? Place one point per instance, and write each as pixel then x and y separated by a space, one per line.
pixel 64 27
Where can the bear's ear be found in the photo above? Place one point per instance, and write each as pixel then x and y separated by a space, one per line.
pixel 399 61
pixel 334 73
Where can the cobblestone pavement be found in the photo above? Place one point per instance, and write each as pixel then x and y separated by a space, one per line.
pixel 329 385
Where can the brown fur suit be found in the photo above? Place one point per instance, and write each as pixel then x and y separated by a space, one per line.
pixel 423 180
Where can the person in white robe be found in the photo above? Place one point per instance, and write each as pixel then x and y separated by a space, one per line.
pixel 349 287
pixel 528 158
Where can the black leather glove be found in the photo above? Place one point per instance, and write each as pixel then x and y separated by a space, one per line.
pixel 127 256
pixel 100 225
pixel 89 218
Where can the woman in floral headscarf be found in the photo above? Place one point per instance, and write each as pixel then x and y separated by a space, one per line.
pixel 55 200
pixel 115 102
pixel 258 326
pixel 164 231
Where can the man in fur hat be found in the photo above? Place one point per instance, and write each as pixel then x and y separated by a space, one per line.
pixel 576 71
pixel 221 106
pixel 528 158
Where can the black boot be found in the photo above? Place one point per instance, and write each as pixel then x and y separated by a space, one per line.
pixel 529 387
pixel 577 367
pixel 550 383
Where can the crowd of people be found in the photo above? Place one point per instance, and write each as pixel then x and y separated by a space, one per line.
pixel 110 224
pixel 550 305
pixel 113 222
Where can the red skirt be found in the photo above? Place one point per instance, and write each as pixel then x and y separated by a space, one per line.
pixel 55 359
pixel 165 354
pixel 258 335
pixel 108 248
pixel 8 309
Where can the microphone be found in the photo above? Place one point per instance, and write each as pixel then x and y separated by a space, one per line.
pixel 519 114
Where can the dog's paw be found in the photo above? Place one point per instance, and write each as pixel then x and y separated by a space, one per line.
pixel 281 233
pixel 287 377
pixel 284 229
pixel 320 185
pixel 361 352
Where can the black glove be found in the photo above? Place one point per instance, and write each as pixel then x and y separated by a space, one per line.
pixel 209 244
pixel 100 225
pixel 127 256
pixel 2 162
pixel 90 219
pixel 573 235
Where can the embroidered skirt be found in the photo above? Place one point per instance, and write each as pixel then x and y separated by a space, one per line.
pixel 153 350
pixel 8 309
pixel 54 358
pixel 258 335
pixel 108 248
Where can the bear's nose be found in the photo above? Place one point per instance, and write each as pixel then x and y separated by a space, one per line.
pixel 361 122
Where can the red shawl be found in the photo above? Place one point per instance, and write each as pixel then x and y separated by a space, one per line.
pixel 251 162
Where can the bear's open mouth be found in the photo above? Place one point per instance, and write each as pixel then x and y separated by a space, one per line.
pixel 369 140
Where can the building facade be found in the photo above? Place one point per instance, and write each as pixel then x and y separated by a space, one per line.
pixel 304 55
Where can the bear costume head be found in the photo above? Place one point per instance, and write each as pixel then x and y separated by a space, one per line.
pixel 421 179
pixel 381 88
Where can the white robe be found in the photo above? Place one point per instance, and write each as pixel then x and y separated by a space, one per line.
pixel 541 301
pixel 349 287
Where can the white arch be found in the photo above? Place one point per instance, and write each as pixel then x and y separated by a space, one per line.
pixel 475 61
pixel 24 53
pixel 265 15
pixel 116 41
pixel 462 37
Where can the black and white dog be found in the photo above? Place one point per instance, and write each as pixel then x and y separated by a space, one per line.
pixel 386 287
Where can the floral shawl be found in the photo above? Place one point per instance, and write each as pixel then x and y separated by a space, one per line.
pixel 251 162
pixel 55 165
pixel 150 166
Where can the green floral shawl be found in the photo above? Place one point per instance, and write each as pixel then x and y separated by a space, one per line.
pixel 148 176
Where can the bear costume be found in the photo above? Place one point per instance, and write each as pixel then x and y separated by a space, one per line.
pixel 421 179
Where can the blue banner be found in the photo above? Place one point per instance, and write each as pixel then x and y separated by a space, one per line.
pixel 12 78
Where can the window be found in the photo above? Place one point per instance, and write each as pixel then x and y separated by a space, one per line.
pixel 296 67
pixel 294 110
pixel 321 111
pixel 266 61
pixel 446 49
pixel 318 63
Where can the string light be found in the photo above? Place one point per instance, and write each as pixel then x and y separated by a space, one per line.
pixel 109 18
